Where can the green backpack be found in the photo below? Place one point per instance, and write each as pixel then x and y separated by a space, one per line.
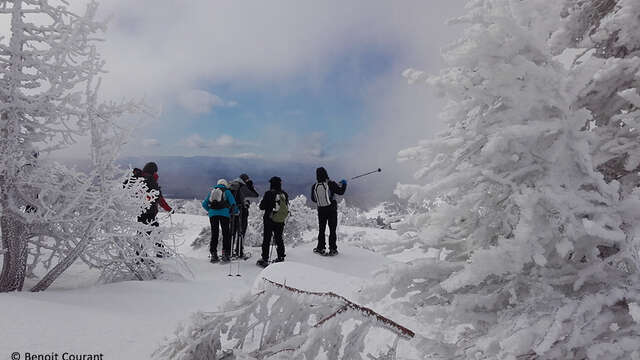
pixel 281 210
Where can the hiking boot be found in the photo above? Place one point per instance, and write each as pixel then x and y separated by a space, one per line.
pixel 225 259
pixel 214 258
pixel 262 262
pixel 333 252
pixel 278 259
pixel 319 251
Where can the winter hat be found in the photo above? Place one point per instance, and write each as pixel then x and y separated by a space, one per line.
pixel 321 174
pixel 150 168
pixel 275 180
pixel 276 183
pixel 223 182
pixel 244 177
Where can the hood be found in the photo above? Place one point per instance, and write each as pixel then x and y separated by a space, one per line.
pixel 239 180
pixel 321 174
pixel 150 168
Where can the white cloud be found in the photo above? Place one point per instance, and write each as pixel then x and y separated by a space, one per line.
pixel 202 102
pixel 150 142
pixel 223 141
pixel 248 155
pixel 195 141
pixel 156 48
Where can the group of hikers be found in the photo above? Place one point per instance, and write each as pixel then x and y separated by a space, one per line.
pixel 227 205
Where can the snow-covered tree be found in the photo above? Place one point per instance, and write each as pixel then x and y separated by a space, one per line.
pixel 285 322
pixel 602 46
pixel 511 192
pixel 49 83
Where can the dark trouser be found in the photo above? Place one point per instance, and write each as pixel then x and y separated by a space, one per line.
pixel 244 214
pixel 239 229
pixel 223 222
pixel 150 219
pixel 327 214
pixel 272 229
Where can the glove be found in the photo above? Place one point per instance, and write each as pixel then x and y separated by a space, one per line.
pixel 343 182
pixel 172 211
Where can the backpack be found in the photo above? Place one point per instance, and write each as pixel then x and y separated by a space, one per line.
pixel 281 209
pixel 322 193
pixel 234 187
pixel 217 199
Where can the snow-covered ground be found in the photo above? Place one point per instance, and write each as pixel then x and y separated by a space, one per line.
pixel 128 320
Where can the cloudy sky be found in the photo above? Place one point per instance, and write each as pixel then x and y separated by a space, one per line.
pixel 302 80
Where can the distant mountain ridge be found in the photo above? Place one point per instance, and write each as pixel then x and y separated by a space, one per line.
pixel 191 177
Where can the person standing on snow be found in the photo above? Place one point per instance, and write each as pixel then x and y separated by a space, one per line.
pixel 150 174
pixel 322 193
pixel 242 189
pixel 275 204
pixel 220 204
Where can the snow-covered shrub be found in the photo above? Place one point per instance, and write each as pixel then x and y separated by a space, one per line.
pixel 543 258
pixel 189 207
pixel 353 216
pixel 302 218
pixel 286 322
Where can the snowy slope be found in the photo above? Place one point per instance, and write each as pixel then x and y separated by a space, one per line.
pixel 128 320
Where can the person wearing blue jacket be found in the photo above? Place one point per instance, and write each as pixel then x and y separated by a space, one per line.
pixel 220 204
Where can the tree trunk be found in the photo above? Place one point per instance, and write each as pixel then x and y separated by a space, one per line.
pixel 14 242
pixel 61 267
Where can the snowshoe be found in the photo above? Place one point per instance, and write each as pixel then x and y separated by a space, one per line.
pixel 319 251
pixel 263 263
pixel 332 253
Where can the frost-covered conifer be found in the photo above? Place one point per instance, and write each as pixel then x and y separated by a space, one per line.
pixel 50 214
pixel 601 46
pixel 510 192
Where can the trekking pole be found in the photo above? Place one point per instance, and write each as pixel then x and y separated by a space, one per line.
pixel 173 236
pixel 273 244
pixel 365 174
pixel 231 250
pixel 238 268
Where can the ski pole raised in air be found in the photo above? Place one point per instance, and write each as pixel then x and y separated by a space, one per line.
pixel 365 174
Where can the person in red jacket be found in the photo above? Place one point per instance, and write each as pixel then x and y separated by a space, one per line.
pixel 150 175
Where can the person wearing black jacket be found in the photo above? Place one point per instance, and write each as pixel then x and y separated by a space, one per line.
pixel 243 191
pixel 322 193
pixel 272 228
pixel 150 175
